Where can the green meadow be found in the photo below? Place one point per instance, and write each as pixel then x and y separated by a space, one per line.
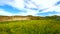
pixel 30 27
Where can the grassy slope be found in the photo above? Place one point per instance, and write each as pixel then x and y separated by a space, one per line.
pixel 30 27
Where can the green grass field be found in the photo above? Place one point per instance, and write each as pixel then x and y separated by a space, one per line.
pixel 30 27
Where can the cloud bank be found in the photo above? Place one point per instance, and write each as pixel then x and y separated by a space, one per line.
pixel 30 7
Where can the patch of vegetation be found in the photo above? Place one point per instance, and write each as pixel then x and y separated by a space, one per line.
pixel 30 27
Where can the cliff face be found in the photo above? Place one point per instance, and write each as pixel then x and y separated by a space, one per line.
pixel 12 18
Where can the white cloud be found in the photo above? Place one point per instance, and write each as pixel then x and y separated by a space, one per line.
pixel 28 12
pixel 57 9
pixel 19 4
pixel 31 12
pixel 3 2
pixel 53 8
pixel 45 3
pixel 57 14
pixel 39 4
pixel 2 12
pixel 14 3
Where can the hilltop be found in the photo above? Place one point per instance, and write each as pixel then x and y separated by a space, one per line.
pixel 29 17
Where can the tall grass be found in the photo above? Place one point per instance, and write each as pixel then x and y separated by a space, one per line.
pixel 30 27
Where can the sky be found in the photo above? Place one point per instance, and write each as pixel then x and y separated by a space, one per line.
pixel 30 7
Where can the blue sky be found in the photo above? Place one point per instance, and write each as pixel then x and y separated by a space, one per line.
pixel 30 7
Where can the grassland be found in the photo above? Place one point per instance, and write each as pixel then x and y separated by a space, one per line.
pixel 30 27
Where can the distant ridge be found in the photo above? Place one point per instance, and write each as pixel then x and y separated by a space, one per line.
pixel 29 17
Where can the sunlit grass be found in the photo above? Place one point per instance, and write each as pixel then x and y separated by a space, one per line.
pixel 30 27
